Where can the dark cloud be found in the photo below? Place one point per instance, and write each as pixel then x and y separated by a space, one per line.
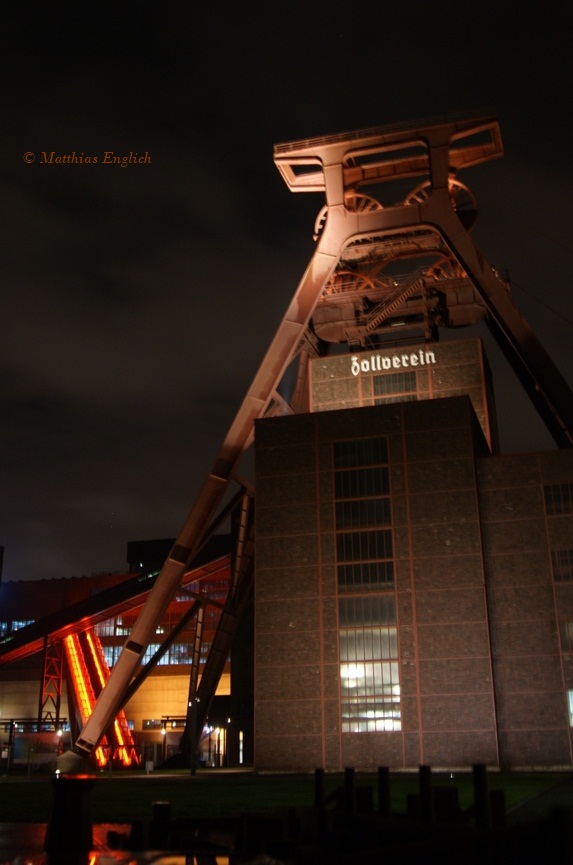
pixel 138 302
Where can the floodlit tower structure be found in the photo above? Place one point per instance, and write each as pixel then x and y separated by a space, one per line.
pixel 394 261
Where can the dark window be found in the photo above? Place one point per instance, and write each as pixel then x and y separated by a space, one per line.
pixel 559 499
pixel 365 576
pixel 362 512
pixel 562 563
pixel 363 546
pixel 358 483
pixel 566 634
pixel 360 452
pixel 395 387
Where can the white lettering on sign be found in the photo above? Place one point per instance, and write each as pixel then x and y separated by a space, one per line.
pixel 379 362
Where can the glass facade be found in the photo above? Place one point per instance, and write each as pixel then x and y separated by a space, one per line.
pixel 368 646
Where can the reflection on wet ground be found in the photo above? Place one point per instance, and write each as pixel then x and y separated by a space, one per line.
pixel 23 844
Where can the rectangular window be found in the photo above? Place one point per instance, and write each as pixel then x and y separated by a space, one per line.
pixel 368 642
pixel 364 546
pixel 566 634
pixel 111 654
pixel 18 624
pixel 105 628
pixel 369 678
pixel 358 483
pixel 123 629
pixel 180 653
pixel 362 512
pixel 149 654
pixel 570 707
pixel 395 387
pixel 363 515
pixel 562 564
pixel 361 452
pixel 365 576
pixel 559 499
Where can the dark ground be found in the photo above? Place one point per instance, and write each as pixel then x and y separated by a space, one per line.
pixel 540 829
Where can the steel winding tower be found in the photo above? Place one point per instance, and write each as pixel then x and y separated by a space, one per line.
pixel 394 260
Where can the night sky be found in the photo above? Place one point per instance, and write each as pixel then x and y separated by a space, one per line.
pixel 138 302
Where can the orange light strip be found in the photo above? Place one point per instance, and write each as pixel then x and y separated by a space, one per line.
pixel 120 724
pixel 84 702
pixel 84 691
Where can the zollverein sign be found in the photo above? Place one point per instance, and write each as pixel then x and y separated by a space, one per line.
pixel 380 362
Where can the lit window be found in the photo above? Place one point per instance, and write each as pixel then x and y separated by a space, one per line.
pixel 105 629
pixel 369 677
pixel 122 629
pixel 570 707
pixel 150 652
pixel 180 653
pixel 111 654
pixel 17 624
pixel 368 642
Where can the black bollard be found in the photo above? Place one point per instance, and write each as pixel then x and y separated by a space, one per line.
pixel 69 837
pixel 383 791
pixel 481 797
pixel 349 790
pixel 319 795
pixel 161 825
pixel 320 804
pixel 426 801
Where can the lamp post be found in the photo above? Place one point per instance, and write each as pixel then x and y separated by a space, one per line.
pixel 193 707
pixel 164 740
pixel 217 747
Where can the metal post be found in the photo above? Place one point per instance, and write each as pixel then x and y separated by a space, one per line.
pixel 350 790
pixel 193 719
pixel 69 832
pixel 481 797
pixel 319 795
pixel 426 803
pixel 383 791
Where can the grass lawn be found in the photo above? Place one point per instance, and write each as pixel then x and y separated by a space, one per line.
pixel 123 798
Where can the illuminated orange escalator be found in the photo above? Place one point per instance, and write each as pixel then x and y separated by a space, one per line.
pixel 83 690
pixel 124 746
pixel 89 673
